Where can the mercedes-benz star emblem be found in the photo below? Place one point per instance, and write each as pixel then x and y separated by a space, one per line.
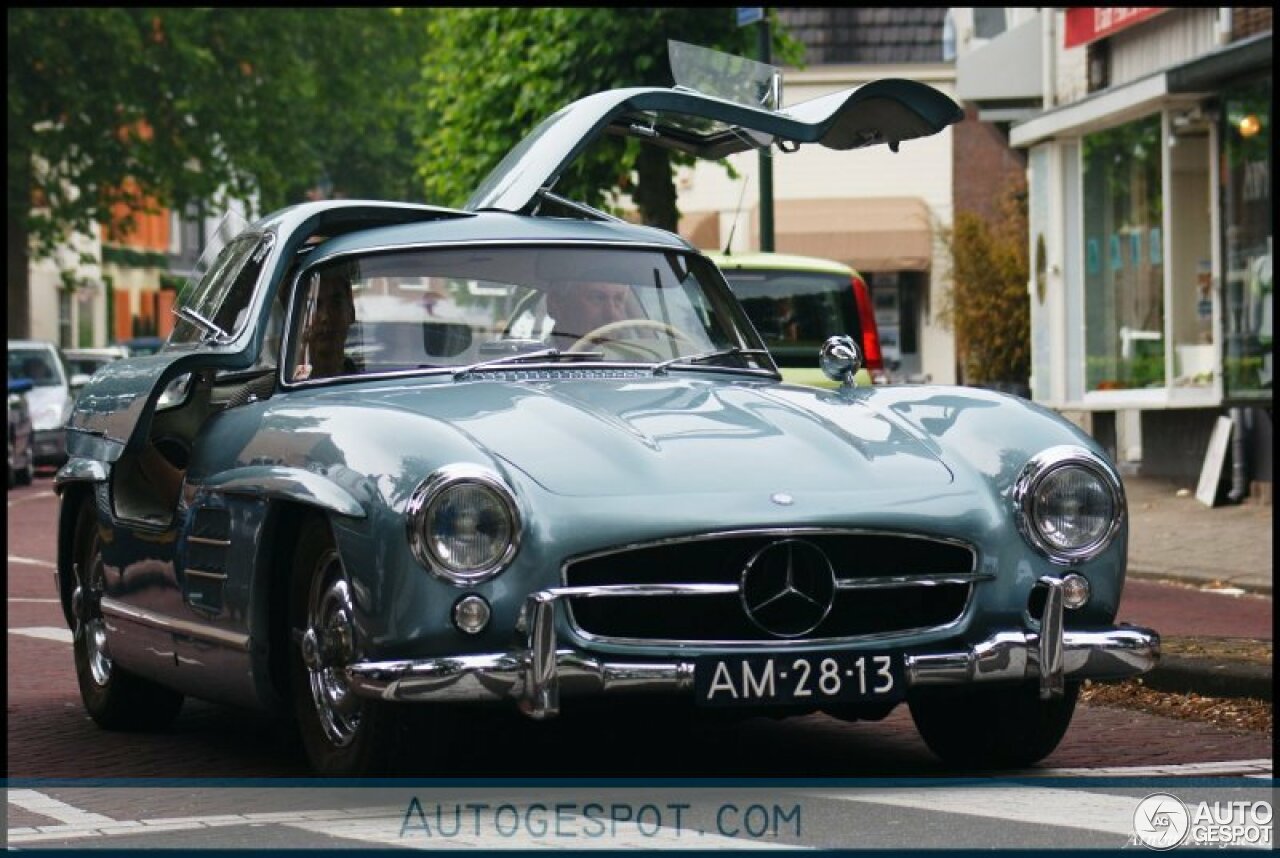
pixel 788 588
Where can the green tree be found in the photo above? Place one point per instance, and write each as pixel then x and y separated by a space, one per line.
pixel 125 105
pixel 987 303
pixel 492 74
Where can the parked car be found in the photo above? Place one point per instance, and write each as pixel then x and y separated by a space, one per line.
pixel 399 459
pixel 797 302
pixel 87 361
pixel 21 453
pixel 143 345
pixel 50 396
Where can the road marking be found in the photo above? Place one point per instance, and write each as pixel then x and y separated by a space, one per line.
pixel 33 600
pixel 49 633
pixel 1250 768
pixel 36 496
pixel 38 802
pixel 1033 805
pixel 628 835
pixel 31 561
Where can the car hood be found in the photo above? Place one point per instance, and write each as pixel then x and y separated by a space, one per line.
pixel 672 435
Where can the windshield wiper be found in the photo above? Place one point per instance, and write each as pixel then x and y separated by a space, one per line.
pixel 661 367
pixel 541 354
pixel 201 322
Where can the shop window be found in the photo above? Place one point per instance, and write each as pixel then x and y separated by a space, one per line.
pixel 64 319
pixel 84 318
pixel 1124 257
pixel 1247 287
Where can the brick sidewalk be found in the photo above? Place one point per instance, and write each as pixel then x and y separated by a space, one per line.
pixel 1176 536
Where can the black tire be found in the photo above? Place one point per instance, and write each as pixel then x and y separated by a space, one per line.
pixel 343 735
pixel 993 728
pixel 115 698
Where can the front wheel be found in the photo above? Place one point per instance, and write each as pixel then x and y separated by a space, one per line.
pixel 344 734
pixel 993 728
pixel 113 697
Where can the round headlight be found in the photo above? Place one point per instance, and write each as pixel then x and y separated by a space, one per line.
pixel 463 524
pixel 1070 506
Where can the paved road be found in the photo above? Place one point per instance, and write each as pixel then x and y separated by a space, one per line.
pixel 885 814
pixel 50 736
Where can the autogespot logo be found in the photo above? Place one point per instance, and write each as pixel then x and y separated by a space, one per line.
pixel 1161 821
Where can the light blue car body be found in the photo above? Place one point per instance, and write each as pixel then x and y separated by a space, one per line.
pixel 596 461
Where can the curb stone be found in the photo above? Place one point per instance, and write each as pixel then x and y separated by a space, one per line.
pixel 1254 586
pixel 1210 677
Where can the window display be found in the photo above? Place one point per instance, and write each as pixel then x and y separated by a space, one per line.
pixel 1124 259
pixel 1247 286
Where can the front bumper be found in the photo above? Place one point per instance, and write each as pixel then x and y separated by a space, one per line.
pixel 535 675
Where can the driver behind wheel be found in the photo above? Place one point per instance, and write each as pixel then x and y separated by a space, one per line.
pixel 580 308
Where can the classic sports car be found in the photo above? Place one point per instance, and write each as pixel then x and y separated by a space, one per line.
pixel 395 458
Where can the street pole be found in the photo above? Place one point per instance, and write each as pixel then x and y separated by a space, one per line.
pixel 766 159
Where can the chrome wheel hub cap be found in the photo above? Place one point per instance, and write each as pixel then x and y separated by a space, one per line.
pixel 90 626
pixel 327 647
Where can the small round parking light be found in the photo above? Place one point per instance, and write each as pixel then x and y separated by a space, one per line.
pixel 471 614
pixel 1075 591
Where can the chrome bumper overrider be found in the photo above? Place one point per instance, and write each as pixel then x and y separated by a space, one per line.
pixel 536 674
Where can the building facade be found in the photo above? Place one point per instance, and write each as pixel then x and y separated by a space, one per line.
pixel 880 212
pixel 1148 164
pixel 117 283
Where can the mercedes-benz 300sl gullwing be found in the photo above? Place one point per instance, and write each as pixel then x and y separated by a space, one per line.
pixel 398 459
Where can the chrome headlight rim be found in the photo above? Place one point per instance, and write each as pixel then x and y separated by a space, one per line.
pixel 431 489
pixel 1040 467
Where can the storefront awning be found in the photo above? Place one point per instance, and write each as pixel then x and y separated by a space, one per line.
pixel 875 234
pixel 1184 83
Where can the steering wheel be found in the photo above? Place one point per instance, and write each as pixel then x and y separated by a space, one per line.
pixel 605 332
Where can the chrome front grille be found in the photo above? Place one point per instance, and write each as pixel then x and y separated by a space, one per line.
pixel 884 584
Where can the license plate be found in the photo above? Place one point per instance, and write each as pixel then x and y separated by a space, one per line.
pixel 798 679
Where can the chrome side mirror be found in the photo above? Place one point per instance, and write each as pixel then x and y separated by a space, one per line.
pixel 175 392
pixel 840 359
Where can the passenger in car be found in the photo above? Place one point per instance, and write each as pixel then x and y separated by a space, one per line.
pixel 580 308
pixel 330 313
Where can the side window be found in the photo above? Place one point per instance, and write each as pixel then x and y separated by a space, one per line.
pixel 224 293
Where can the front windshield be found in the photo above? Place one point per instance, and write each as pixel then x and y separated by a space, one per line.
pixel 452 308
pixel 39 365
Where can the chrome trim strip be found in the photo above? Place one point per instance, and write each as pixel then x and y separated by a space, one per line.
pixel 587 592
pixel 201 573
pixel 1113 653
pixel 780 532
pixel 174 626
pixel 1050 649
pixel 205 540
pixel 879 582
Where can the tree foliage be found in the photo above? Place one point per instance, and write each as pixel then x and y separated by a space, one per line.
pixel 492 74
pixel 988 305
pixel 126 105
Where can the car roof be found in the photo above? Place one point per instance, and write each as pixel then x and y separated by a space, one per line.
pixel 32 344
pixel 497 228
pixel 775 261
